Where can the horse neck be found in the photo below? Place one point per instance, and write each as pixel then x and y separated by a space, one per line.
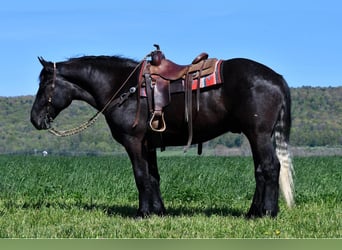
pixel 94 85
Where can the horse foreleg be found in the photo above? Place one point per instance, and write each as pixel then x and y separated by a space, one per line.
pixel 158 205
pixel 147 179
pixel 267 167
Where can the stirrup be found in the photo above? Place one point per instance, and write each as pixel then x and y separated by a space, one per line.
pixel 157 122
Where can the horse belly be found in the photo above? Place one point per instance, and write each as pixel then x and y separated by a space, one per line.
pixel 211 120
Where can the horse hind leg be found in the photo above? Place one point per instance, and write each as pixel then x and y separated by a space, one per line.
pixel 267 168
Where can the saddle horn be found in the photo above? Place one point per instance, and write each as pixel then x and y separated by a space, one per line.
pixel 157 56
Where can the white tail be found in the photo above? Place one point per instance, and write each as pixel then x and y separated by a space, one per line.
pixel 286 169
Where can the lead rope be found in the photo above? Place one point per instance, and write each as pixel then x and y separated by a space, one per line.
pixel 92 120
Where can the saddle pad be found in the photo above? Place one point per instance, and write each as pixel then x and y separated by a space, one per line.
pixel 209 80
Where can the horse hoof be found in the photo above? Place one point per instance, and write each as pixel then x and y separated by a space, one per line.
pixel 253 214
pixel 146 214
pixel 142 214
pixel 271 213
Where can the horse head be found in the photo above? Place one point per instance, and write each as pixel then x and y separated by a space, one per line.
pixel 54 95
pixel 92 79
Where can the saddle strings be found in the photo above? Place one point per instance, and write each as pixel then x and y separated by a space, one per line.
pixel 92 120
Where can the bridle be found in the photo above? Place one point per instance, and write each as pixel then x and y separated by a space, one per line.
pixel 53 84
pixel 91 121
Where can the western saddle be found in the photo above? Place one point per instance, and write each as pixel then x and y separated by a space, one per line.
pixel 160 73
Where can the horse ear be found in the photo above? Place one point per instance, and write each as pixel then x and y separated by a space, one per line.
pixel 44 63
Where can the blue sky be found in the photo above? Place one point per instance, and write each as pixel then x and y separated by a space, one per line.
pixel 302 40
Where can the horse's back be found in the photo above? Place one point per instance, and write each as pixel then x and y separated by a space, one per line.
pixel 242 73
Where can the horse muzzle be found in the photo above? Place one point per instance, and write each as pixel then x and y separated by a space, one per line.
pixel 41 122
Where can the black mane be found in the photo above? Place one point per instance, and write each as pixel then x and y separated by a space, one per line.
pixel 104 61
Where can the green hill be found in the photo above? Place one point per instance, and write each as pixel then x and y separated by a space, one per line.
pixel 316 119
pixel 17 134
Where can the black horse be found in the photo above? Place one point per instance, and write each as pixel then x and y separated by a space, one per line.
pixel 253 100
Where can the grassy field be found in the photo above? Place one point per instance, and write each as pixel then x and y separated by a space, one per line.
pixel 206 197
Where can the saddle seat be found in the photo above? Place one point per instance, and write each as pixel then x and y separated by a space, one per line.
pixel 169 70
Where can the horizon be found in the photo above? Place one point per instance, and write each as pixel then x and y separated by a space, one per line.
pixel 299 87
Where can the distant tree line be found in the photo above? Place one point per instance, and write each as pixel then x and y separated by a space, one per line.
pixel 316 121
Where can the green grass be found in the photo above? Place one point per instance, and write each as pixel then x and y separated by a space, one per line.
pixel 206 197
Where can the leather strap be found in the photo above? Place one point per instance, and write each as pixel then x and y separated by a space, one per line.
pixel 148 83
pixel 188 108
pixel 140 79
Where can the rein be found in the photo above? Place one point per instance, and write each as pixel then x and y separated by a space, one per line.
pixel 92 120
